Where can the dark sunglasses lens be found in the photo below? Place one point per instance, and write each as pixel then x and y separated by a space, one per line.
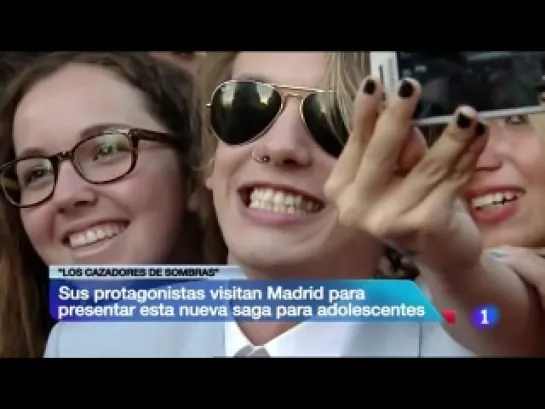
pixel 327 130
pixel 241 110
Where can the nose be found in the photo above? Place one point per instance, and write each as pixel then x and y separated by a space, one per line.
pixel 492 157
pixel 71 191
pixel 287 142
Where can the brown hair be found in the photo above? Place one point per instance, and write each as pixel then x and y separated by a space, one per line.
pixel 344 73
pixel 170 94
pixel 12 62
pixel 189 60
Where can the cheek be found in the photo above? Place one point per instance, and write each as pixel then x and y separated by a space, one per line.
pixel 227 161
pixel 157 189
pixel 531 160
pixel 328 163
pixel 535 174
pixel 38 225
pixel 323 165
pixel 537 171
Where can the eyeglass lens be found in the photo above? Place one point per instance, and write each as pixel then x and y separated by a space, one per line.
pixel 99 159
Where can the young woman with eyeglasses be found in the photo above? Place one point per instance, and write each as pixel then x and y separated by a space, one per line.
pixel 278 126
pixel 97 165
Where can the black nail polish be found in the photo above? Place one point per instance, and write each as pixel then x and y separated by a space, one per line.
pixel 369 87
pixel 480 129
pixel 406 90
pixel 463 121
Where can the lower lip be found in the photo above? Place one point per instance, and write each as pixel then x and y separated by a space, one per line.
pixel 273 219
pixel 495 214
pixel 91 252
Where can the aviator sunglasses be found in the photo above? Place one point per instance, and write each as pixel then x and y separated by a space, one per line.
pixel 242 111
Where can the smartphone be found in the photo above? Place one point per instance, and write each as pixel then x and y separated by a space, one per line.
pixel 495 83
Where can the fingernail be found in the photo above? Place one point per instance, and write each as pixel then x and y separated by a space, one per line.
pixel 463 121
pixel 480 129
pixel 406 89
pixel 369 87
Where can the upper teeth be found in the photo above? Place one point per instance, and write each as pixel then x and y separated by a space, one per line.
pixel 279 201
pixel 95 234
pixel 493 199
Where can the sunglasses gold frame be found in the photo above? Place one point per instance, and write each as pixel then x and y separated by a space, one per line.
pixel 285 92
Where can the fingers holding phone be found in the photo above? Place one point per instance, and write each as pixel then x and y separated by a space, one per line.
pixel 416 207
pixel 367 107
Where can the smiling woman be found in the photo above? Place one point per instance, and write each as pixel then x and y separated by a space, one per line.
pixel 507 192
pixel 84 138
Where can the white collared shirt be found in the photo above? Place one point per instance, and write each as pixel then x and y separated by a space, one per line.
pixel 308 339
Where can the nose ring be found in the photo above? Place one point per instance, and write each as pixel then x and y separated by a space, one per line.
pixel 260 158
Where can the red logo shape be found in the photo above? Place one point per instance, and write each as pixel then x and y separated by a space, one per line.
pixel 449 316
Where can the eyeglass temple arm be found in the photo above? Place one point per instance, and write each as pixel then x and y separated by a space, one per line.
pixel 9 183
pixel 162 137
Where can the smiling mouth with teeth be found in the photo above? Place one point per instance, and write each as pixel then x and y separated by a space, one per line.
pixel 493 200
pixel 95 234
pixel 279 201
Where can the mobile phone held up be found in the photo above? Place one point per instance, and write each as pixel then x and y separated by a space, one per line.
pixel 495 83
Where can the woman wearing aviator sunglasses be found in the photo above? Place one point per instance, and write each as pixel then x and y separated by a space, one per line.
pixel 276 137
pixel 84 139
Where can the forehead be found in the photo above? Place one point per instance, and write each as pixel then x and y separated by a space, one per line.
pixel 58 108
pixel 304 69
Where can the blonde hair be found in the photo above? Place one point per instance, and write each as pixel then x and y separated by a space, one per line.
pixel 343 74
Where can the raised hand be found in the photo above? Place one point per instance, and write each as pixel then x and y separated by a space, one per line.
pixel 386 181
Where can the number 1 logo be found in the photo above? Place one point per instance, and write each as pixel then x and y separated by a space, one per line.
pixel 485 317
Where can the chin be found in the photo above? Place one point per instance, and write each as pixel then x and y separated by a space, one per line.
pixel 280 260
pixel 258 256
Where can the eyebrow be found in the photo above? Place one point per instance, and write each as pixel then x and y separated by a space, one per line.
pixel 85 133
